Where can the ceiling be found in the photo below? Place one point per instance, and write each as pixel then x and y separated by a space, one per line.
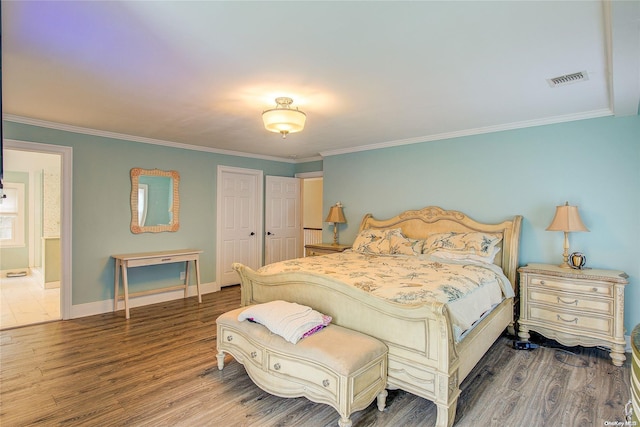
pixel 367 74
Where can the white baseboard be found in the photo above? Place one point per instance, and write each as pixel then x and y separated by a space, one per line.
pixel 106 306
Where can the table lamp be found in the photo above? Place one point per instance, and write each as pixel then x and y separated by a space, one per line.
pixel 567 219
pixel 336 216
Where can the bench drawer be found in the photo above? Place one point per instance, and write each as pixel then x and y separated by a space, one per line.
pixel 232 339
pixel 304 371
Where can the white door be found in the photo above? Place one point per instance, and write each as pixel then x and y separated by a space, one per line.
pixel 283 223
pixel 239 218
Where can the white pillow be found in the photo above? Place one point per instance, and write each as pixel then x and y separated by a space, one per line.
pixel 371 241
pixel 401 245
pixel 463 256
pixel 475 243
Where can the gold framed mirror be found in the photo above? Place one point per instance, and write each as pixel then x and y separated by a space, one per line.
pixel 155 201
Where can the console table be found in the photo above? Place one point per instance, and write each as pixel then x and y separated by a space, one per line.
pixel 123 262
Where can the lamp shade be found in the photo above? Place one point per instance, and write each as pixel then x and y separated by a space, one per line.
pixel 283 119
pixel 567 218
pixel 336 215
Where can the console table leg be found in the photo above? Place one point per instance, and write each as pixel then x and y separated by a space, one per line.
pixel 125 285
pixel 116 286
pixel 186 279
pixel 197 265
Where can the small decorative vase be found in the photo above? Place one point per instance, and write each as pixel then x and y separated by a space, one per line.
pixel 577 260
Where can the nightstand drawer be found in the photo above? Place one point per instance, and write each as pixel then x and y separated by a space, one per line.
pixel 587 287
pixel 568 319
pixel 324 249
pixel 314 252
pixel 568 300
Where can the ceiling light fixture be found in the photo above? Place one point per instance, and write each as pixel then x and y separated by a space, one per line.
pixel 284 119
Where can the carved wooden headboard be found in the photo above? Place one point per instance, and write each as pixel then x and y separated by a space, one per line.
pixel 419 224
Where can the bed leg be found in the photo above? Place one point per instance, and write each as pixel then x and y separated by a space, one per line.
pixel 511 328
pixel 220 357
pixel 344 422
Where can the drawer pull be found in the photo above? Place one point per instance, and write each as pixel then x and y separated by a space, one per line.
pixel 276 366
pixel 594 289
pixel 575 319
pixel 574 302
pixel 542 282
pixel 253 354
pixel 229 337
pixel 165 259
pixel 325 383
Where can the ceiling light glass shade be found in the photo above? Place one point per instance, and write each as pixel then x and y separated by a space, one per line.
pixel 283 119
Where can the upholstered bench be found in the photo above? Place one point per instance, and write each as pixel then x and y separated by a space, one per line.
pixel 336 366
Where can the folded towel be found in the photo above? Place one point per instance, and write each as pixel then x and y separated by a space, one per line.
pixel 290 320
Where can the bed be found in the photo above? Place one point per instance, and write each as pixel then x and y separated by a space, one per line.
pixel 426 356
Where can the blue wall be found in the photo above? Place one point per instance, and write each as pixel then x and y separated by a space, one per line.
pixel 590 163
pixel 101 206
pixel 594 164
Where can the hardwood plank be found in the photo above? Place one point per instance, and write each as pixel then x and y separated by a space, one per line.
pixel 159 369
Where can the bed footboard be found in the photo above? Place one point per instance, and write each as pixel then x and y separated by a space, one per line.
pixel 423 358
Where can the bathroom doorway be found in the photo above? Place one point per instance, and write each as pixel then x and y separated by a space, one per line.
pixel 31 274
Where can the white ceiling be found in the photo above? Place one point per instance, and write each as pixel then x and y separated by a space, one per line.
pixel 368 74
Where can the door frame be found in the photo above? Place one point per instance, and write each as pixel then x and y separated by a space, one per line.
pixel 259 209
pixel 66 187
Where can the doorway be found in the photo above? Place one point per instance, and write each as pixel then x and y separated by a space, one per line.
pixel 312 214
pixel 39 288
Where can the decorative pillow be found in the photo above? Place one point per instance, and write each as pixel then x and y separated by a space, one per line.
pixel 372 241
pixel 476 243
pixel 401 245
pixel 462 256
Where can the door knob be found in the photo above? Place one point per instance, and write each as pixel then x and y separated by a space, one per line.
pixel 252 234
pixel 270 233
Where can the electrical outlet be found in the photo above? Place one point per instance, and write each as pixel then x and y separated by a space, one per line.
pixel 182 275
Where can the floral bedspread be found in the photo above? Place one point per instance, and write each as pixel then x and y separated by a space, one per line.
pixel 468 288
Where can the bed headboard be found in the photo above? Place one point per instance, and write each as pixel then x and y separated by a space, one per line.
pixel 419 224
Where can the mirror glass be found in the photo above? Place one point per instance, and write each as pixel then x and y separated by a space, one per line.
pixel 155 202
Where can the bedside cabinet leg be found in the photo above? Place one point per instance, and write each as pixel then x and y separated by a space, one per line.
pixel 617 355
pixel 382 400
pixel 523 334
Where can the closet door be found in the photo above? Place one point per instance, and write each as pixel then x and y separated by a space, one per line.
pixel 239 220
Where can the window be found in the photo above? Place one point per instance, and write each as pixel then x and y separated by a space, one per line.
pixel 12 215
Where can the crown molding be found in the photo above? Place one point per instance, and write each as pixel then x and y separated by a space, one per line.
pixel 133 138
pixel 429 138
pixel 470 132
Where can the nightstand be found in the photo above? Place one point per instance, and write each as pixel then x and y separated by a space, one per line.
pixel 574 307
pixel 324 249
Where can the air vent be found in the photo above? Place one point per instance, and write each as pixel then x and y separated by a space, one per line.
pixel 568 79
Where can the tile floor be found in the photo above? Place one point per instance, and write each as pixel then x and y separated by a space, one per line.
pixel 24 301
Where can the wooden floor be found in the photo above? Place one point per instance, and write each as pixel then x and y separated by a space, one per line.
pixel 159 369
